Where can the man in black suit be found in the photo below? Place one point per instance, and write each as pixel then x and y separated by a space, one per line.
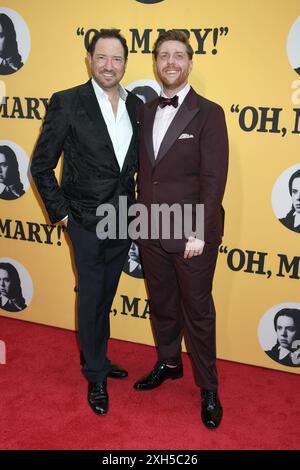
pixel 292 219
pixel 11 295
pixel 133 266
pixel 286 351
pixel 95 125
pixel 11 186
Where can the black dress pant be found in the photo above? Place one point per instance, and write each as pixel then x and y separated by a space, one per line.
pixel 99 264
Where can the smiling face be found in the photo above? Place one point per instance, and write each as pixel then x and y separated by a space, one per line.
pixel 108 63
pixel 173 66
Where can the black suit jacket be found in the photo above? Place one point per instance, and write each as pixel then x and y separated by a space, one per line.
pixel 8 70
pixel 91 174
pixel 274 354
pixel 288 221
pixel 13 306
pixel 12 192
pixel 187 170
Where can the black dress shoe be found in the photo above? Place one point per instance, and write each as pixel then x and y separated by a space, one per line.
pixel 212 411
pixel 158 375
pixel 98 397
pixel 117 373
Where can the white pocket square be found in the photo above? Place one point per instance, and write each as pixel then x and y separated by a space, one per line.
pixel 186 136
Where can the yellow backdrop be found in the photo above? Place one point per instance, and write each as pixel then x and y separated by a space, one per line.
pixel 245 61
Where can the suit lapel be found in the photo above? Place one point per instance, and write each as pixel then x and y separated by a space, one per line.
pixel 185 114
pixel 132 113
pixel 91 105
pixel 90 102
pixel 149 116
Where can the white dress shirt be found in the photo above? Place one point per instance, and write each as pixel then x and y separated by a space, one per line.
pixel 3 300
pixel 119 127
pixel 164 117
pixel 296 219
pixel 133 265
pixel 283 352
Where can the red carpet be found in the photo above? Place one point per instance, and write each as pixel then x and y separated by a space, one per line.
pixel 43 401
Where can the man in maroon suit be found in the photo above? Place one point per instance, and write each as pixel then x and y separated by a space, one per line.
pixel 183 159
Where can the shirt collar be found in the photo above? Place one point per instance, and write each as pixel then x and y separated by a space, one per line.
pixel 4 300
pixel 296 219
pixel 181 94
pixel 133 265
pixel 283 352
pixel 100 93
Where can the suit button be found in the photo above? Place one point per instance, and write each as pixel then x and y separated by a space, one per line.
pixel 155 182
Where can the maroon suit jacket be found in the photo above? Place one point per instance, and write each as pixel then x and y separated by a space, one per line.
pixel 187 170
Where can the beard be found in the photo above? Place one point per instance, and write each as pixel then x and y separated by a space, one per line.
pixel 174 83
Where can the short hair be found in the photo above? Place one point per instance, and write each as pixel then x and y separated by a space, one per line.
pixel 293 313
pixel 15 293
pixel 173 35
pixel 108 34
pixel 10 42
pixel 291 180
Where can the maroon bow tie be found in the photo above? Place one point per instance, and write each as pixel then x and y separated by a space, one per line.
pixel 162 102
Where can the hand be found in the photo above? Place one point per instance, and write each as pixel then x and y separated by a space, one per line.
pixel 193 247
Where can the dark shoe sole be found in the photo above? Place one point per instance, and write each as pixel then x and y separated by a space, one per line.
pixel 98 413
pixel 177 376
pixel 117 378
pixel 211 427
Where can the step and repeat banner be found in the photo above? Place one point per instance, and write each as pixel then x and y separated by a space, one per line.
pixel 247 58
